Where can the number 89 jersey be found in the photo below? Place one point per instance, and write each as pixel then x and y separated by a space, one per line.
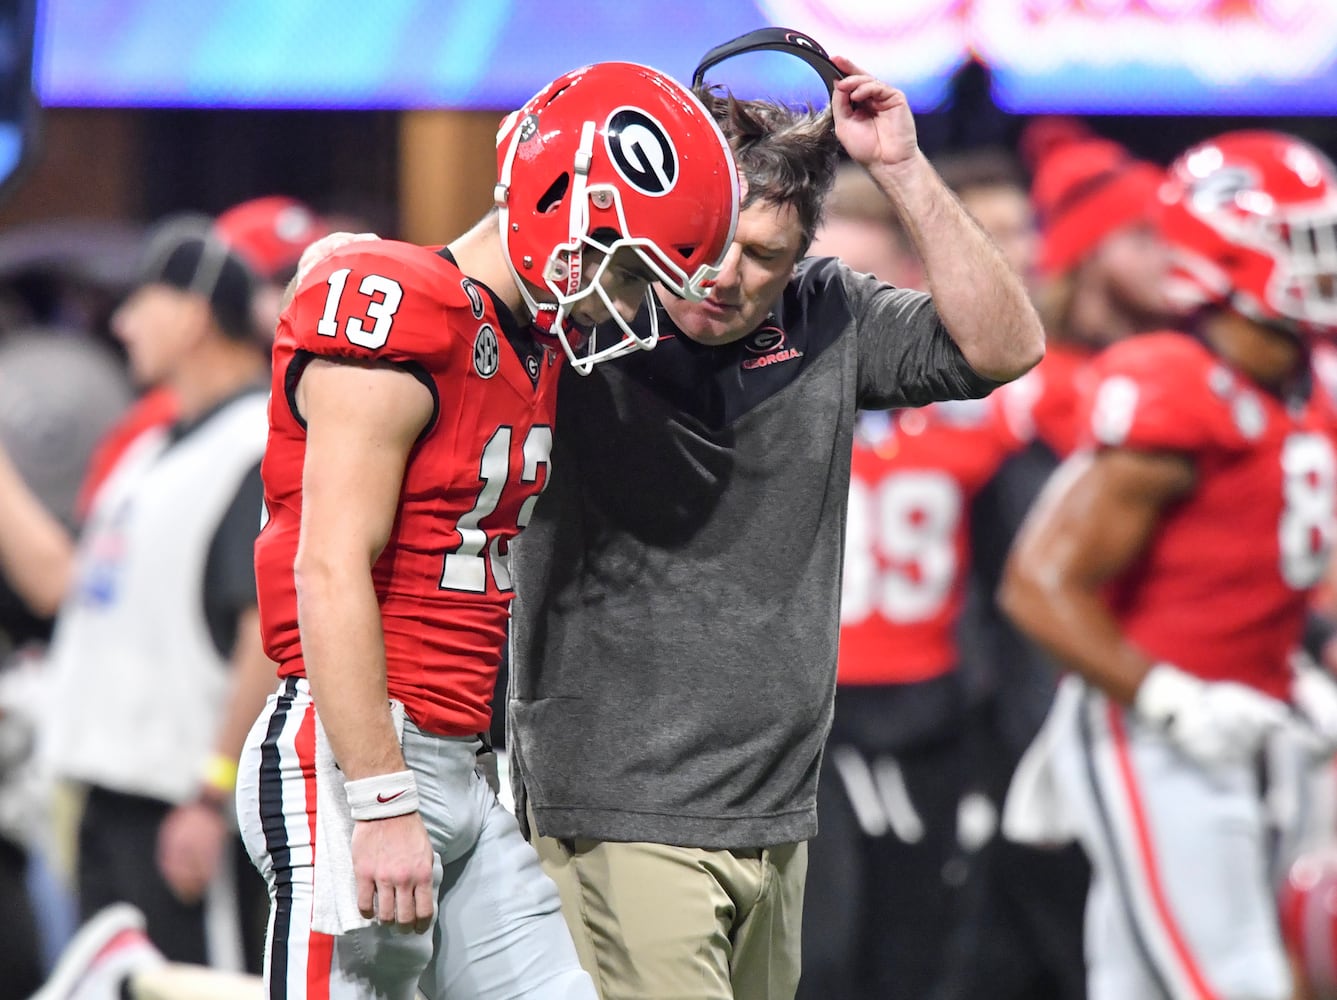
pixel 913 476
pixel 1222 587
pixel 442 581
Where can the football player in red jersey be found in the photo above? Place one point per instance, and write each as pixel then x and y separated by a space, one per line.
pixel 1169 568
pixel 410 426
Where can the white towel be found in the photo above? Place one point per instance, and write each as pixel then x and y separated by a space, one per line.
pixel 1035 811
pixel 334 903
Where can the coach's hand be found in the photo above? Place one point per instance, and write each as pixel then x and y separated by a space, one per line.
pixel 392 861
pixel 326 245
pixel 873 119
pixel 1213 722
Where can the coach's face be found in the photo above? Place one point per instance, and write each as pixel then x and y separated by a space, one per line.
pixel 758 265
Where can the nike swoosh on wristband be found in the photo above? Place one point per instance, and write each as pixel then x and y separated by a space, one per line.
pixel 383 798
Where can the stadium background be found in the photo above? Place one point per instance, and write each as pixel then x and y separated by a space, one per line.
pixel 388 109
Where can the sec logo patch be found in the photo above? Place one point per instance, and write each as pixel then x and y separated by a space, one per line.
pixel 487 353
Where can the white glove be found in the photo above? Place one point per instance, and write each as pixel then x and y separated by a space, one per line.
pixel 1314 692
pixel 325 246
pixel 1213 722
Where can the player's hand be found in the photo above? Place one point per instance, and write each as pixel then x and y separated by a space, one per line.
pixel 1314 693
pixel 392 860
pixel 1214 722
pixel 190 849
pixel 881 130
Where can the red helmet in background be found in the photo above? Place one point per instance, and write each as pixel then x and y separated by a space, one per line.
pixel 608 156
pixel 1309 919
pixel 271 233
pixel 1252 219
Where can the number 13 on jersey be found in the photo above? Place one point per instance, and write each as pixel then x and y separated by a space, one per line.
pixel 480 550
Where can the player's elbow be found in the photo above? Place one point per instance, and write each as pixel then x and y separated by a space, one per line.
pixel 317 573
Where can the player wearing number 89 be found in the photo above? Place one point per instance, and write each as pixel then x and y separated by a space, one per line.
pixel 410 427
pixel 1169 568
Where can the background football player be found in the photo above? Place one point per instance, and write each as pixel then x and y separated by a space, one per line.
pixel 1169 566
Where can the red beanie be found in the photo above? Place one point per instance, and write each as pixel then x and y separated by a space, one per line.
pixel 1085 188
pixel 270 233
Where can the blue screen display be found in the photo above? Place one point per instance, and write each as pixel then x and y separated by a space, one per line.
pixel 1203 56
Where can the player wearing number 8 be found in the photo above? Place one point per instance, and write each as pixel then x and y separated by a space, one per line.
pixel 410 428
pixel 1169 567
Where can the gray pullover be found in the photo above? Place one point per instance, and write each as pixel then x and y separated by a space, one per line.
pixel 673 649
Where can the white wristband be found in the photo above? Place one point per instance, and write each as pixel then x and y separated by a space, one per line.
pixel 382 795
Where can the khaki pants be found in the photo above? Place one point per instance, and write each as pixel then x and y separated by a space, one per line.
pixel 653 922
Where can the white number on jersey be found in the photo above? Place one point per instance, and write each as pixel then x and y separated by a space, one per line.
pixel 1114 409
pixel 910 520
pixel 383 297
pixel 466 566
pixel 1309 486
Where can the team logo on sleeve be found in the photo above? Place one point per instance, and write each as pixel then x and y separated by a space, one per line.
pixel 641 151
pixel 487 353
pixel 475 298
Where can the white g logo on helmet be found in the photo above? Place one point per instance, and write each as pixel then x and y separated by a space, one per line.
pixel 641 151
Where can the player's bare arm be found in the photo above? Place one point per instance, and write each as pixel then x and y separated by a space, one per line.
pixel 36 552
pixel 981 300
pixel 362 422
pixel 1091 522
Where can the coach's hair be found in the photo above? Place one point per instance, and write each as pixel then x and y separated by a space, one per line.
pixel 787 155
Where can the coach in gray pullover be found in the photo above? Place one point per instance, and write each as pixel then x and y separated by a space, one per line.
pixel 674 637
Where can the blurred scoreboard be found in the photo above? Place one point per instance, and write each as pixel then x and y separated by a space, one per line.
pixel 1081 56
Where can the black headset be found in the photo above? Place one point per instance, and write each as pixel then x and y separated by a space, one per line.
pixel 795 43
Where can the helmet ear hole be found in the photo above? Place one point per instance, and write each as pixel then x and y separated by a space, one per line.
pixel 552 197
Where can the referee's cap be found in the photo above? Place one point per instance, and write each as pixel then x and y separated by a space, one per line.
pixel 186 252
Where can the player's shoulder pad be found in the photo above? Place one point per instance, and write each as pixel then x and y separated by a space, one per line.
pixel 380 299
pixel 1164 391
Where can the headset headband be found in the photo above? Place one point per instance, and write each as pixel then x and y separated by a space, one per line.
pixel 778 40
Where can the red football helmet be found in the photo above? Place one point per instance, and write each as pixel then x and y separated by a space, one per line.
pixel 608 156
pixel 1309 920
pixel 1252 219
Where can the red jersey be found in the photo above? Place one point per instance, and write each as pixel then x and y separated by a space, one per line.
pixel 1045 404
pixel 1223 585
pixel 443 581
pixel 907 538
